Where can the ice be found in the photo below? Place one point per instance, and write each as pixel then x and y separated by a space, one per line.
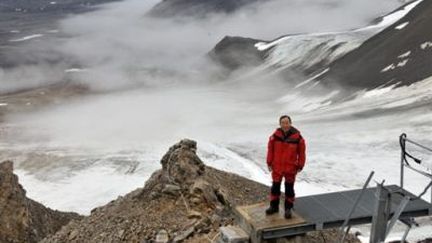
pixel 307 50
pixel 26 38
pixel 84 190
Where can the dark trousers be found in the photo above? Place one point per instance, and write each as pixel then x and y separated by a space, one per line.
pixel 275 190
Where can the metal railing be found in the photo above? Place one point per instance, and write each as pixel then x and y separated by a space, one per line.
pixel 381 222
pixel 403 140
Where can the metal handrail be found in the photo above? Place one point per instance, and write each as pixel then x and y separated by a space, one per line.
pixel 403 139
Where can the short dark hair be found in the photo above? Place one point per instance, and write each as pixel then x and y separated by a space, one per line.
pixel 284 116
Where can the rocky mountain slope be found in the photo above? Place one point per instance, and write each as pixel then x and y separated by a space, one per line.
pixel 399 55
pixel 21 218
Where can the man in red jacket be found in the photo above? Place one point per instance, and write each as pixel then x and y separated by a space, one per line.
pixel 286 155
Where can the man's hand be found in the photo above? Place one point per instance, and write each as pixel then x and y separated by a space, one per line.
pixel 269 168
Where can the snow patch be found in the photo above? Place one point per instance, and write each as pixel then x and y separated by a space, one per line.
pixel 404 55
pixel 312 78
pixel 398 65
pixel 388 68
pixel 393 17
pixel 402 63
pixel 378 91
pixel 27 38
pixel 3 104
pixel 426 45
pixel 262 46
pixel 74 70
pixel 401 26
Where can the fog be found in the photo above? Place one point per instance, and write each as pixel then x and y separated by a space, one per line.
pixel 120 47
pixel 157 83
pixel 152 85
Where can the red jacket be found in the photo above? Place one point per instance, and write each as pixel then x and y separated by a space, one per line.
pixel 286 153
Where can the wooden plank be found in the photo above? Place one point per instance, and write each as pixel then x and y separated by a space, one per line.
pixel 256 216
pixel 253 219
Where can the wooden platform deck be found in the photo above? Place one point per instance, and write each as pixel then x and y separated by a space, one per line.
pixel 322 211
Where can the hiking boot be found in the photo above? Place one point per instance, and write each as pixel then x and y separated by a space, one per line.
pixel 288 213
pixel 288 207
pixel 274 207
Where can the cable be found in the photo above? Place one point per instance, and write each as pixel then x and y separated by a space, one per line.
pixel 402 142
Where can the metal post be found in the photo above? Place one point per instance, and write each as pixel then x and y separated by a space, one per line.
pixel 354 207
pixel 403 240
pixel 380 217
pixel 431 195
pixel 430 205
pixel 402 165
pixel 397 214
pixel 409 223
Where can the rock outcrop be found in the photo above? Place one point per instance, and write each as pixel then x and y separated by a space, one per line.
pixel 236 52
pixel 22 219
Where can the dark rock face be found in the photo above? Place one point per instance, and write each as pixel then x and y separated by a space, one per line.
pixel 237 52
pixel 400 55
pixel 197 8
pixel 22 219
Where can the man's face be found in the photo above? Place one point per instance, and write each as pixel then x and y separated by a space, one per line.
pixel 285 124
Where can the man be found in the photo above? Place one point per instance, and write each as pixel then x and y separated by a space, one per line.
pixel 286 155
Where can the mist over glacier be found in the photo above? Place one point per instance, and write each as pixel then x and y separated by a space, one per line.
pixel 152 84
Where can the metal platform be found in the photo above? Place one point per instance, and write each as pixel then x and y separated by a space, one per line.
pixel 322 211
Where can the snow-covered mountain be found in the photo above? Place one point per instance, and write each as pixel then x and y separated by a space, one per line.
pixel 315 54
